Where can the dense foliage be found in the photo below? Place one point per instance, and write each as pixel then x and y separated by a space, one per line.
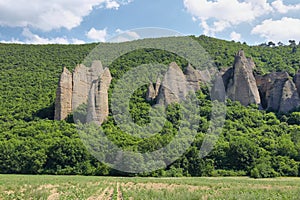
pixel 252 142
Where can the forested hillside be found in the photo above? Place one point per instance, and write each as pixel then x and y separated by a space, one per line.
pixel 253 142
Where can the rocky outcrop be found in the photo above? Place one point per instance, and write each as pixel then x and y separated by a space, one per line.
pixel 63 102
pixel 290 97
pixel 297 81
pixel 274 92
pixel 86 85
pixel 193 78
pixel 270 87
pixel 240 82
pixel 151 94
pixel 83 78
pixel 278 92
pixel 174 86
pixel 153 90
pixel 81 86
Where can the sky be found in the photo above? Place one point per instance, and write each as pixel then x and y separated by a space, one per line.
pixel 85 21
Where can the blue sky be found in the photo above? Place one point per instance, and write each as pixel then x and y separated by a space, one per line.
pixel 83 21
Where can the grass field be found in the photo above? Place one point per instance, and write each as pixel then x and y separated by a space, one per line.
pixel 92 188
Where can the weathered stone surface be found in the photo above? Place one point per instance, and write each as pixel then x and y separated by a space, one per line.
pixel 157 86
pixel 227 76
pixel 290 98
pixel 63 102
pixel 174 86
pixel 95 71
pixel 91 105
pixel 242 87
pixel 101 106
pixel 297 81
pixel 207 74
pixel 270 88
pixel 218 90
pixel 83 77
pixel 151 94
pixel 81 86
pixel 193 78
pixel 251 63
pixel 153 90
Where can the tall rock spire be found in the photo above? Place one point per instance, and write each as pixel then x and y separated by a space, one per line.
pixel 174 86
pixel 101 106
pixel 83 77
pixel 242 87
pixel 81 86
pixel 63 102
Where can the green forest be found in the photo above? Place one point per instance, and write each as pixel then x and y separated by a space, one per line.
pixel 252 142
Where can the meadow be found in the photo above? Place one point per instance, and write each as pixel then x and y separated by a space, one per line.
pixel 118 188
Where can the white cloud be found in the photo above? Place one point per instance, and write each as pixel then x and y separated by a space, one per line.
pixel 31 38
pixel 77 41
pixel 282 8
pixel 50 14
pixel 36 39
pixel 112 5
pixel 125 36
pixel 12 41
pixel 97 35
pixel 235 36
pixel 279 30
pixel 226 13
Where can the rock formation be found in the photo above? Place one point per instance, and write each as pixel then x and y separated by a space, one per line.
pixel 63 102
pixel 297 81
pixel 101 103
pixel 80 86
pixel 82 80
pixel 153 90
pixel 274 92
pixel 86 85
pixel 174 86
pixel 278 92
pixel 193 78
pixel 290 97
pixel 241 85
pixel 151 94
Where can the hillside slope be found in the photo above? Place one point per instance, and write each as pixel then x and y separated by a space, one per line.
pixel 253 142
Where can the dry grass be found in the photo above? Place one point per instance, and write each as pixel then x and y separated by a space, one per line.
pixel 104 188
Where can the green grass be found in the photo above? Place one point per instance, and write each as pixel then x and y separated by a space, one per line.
pixel 83 187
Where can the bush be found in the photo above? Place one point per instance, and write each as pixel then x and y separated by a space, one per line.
pixel 263 170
